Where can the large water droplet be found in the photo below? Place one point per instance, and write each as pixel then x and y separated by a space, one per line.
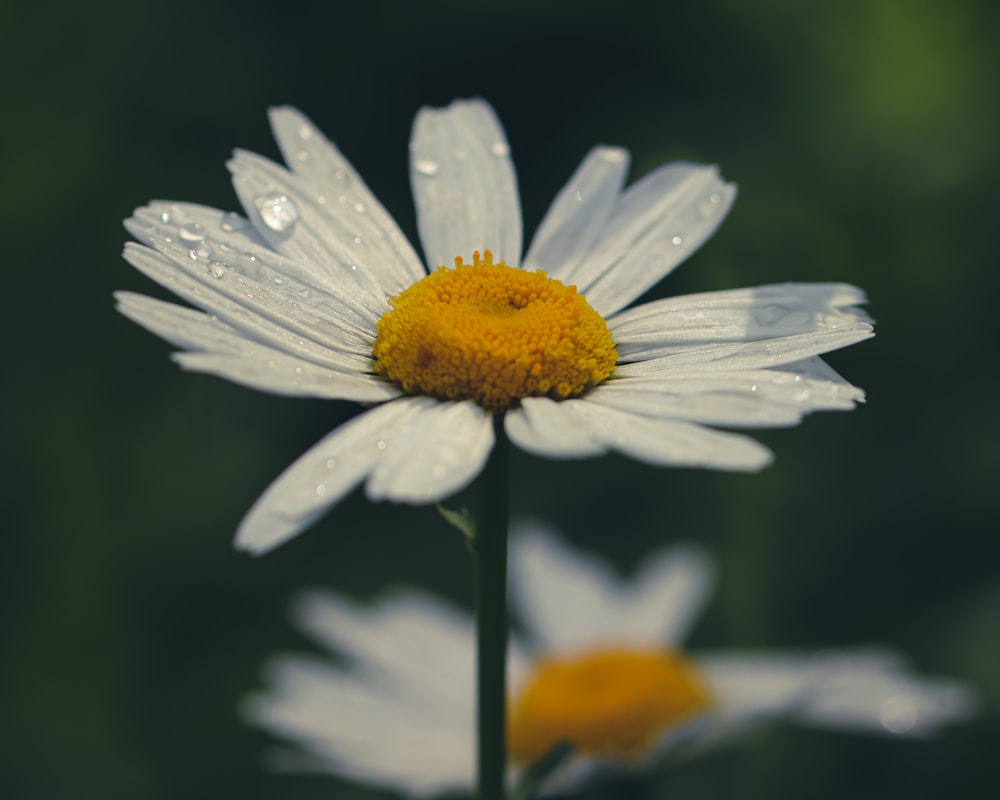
pixel 192 232
pixel 216 269
pixel 278 211
pixel 426 166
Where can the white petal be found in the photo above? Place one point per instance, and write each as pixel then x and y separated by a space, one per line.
pixel 546 428
pixel 321 477
pixel 578 214
pixel 658 222
pixel 565 599
pixel 329 242
pixel 434 453
pixel 665 442
pixel 736 316
pixel 746 398
pixel 358 731
pixel 409 639
pixel 464 185
pixel 225 352
pixel 667 596
pixel 334 185
pixel 315 331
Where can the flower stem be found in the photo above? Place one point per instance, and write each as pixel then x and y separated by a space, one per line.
pixel 490 554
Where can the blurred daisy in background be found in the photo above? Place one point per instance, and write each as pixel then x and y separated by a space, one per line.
pixel 599 666
pixel 316 292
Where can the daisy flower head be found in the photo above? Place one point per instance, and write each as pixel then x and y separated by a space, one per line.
pixel 315 292
pixel 600 664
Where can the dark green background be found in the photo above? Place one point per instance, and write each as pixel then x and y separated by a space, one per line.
pixel 863 136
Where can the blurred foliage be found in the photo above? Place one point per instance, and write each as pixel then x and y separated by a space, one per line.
pixel 863 136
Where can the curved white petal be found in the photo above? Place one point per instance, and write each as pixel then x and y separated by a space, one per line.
pixel 744 398
pixel 321 477
pixel 255 292
pixel 665 442
pixel 223 351
pixel 434 453
pixel 302 230
pixel 736 316
pixel 543 427
pixel 658 222
pixel 577 216
pixel 464 185
pixel 565 599
pixel 334 185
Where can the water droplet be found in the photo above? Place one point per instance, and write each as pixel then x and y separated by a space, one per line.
pixel 272 364
pixel 278 211
pixel 298 370
pixel 279 280
pixel 753 387
pixel 578 196
pixel 898 714
pixel 357 240
pixel 321 199
pixel 192 232
pixel 500 149
pixel 305 132
pixel 216 269
pixel 232 221
pixel 342 176
pixel 166 218
pixel 304 293
pixel 426 167
pixel 715 198
pixel 321 489
pixel 380 444
pixel 359 207
pixel 302 156
pixel 331 463
pixel 677 240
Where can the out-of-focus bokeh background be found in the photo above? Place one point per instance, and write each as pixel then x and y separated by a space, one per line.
pixel 863 135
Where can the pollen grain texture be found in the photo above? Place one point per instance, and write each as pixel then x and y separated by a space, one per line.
pixel 494 334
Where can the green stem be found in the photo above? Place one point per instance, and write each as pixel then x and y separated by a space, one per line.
pixel 490 553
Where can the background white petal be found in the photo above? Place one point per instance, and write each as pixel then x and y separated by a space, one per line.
pixel 433 453
pixel 657 223
pixel 321 477
pixel 358 730
pixel 464 185
pixel 566 600
pixel 578 214
pixel 335 185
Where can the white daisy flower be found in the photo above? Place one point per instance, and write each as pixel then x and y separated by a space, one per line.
pixel 317 293
pixel 600 666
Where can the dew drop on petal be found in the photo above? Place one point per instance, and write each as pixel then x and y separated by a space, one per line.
pixel 426 166
pixel 321 489
pixel 192 232
pixel 380 444
pixel 216 269
pixel 302 156
pixel 500 149
pixel 359 207
pixel 331 463
pixel 166 218
pixel 277 211
pixel 305 132
pixel 231 221
pixel 677 240
pixel 898 714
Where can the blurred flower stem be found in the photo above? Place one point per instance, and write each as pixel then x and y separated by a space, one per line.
pixel 490 554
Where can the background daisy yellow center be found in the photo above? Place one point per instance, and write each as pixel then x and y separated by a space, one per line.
pixel 494 334
pixel 612 703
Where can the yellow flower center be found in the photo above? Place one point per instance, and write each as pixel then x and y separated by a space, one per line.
pixel 609 702
pixel 493 334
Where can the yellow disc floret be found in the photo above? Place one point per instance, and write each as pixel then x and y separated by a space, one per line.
pixel 494 334
pixel 608 703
